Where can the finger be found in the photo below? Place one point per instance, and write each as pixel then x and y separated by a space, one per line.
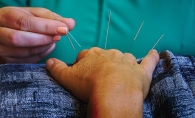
pixel 22 20
pixel 62 73
pixel 69 22
pixel 15 52
pixel 57 68
pixel 150 61
pixel 95 50
pixel 114 55
pixel 83 53
pixel 68 78
pixel 115 52
pixel 30 59
pixel 80 55
pixel 17 38
pixel 45 13
pixel 130 56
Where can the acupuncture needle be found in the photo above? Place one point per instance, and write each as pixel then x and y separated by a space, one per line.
pixel 74 39
pixel 136 35
pixel 108 28
pixel 157 41
pixel 68 36
pixel 70 42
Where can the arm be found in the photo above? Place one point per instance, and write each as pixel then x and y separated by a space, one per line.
pixel 111 82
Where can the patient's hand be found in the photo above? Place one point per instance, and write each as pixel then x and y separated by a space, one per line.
pixel 111 82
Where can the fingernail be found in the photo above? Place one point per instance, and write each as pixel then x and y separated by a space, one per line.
pixel 56 38
pixel 49 63
pixel 62 30
pixel 152 50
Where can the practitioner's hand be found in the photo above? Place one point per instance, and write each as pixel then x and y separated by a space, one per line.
pixel 29 34
pixel 111 82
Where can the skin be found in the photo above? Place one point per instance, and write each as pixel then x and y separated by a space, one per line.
pixel 29 34
pixel 113 83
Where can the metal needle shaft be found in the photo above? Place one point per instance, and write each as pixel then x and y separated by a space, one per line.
pixel 136 35
pixel 157 41
pixel 70 42
pixel 108 28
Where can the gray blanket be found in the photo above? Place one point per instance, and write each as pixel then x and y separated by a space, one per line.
pixel 28 90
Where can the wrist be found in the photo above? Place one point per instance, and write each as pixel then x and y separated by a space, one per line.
pixel 116 104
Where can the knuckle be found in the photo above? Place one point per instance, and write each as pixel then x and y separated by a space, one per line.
pixel 130 56
pixel 13 39
pixel 129 59
pixel 47 28
pixel 115 52
pixel 43 10
pixel 44 40
pixel 46 50
pixel 5 9
pixel 24 23
pixel 33 51
pixel 41 56
pixel 58 68
pixel 95 50
pixel 54 14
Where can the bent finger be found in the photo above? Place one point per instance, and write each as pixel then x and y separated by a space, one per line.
pixel 130 57
pixel 83 53
pixel 23 52
pixel 67 77
pixel 30 59
pixel 15 38
pixel 62 73
pixel 45 13
pixel 21 19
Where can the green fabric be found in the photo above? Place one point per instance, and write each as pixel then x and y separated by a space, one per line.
pixel 173 18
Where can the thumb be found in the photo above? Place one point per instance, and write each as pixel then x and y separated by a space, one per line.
pixel 67 77
pixel 60 71
pixel 150 61
pixel 55 67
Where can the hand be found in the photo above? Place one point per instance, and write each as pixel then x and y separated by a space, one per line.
pixel 29 34
pixel 112 82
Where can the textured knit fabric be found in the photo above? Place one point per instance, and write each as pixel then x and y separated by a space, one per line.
pixel 173 88
pixel 28 90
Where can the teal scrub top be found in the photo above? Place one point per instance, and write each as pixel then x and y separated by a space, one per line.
pixel 173 18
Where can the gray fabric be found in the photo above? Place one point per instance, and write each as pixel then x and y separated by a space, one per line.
pixel 28 90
